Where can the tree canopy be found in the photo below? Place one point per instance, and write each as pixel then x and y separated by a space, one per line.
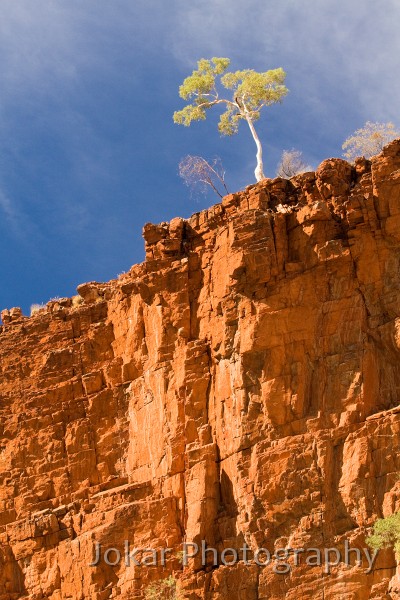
pixel 250 92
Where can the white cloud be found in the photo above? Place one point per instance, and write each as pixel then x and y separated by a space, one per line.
pixel 48 51
pixel 333 50
pixel 53 41
pixel 36 45
pixel 351 49
pixel 342 60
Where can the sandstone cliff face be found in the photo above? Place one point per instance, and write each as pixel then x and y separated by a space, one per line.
pixel 241 385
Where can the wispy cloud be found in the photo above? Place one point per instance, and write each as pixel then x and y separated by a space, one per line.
pixel 334 51
pixel 87 95
pixel 12 219
pixel 49 51
pixel 6 206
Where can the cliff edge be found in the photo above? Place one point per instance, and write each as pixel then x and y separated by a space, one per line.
pixel 240 387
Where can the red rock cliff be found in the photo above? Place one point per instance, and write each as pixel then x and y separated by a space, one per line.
pixel 242 385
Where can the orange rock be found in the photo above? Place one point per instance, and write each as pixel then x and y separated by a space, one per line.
pixel 239 387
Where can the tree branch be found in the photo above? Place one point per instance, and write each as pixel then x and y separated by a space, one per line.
pixel 213 102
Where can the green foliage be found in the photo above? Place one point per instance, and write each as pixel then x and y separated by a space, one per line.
pixel 202 82
pixel 250 92
pixel 162 590
pixel 229 121
pixel 369 140
pixel 386 534
pixel 200 86
pixel 256 89
pixel 188 114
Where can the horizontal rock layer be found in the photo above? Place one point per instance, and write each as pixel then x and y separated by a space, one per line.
pixel 242 385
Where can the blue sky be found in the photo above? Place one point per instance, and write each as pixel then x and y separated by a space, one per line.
pixel 89 151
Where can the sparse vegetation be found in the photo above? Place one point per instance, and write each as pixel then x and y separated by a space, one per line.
pixel 199 173
pixel 292 164
pixel 386 534
pixel 162 590
pixel 36 308
pixel 76 301
pixel 369 140
pixel 251 91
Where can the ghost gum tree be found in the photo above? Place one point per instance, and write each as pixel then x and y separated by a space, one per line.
pixel 251 91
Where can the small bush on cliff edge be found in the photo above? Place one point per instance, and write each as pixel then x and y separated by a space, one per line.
pixel 369 140
pixel 386 534
pixel 162 590
pixel 292 164
pixel 35 308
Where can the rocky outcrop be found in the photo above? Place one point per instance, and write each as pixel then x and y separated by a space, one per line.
pixel 241 386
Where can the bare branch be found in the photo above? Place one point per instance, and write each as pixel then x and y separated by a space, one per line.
pixel 198 173
pixel 291 164
pixel 251 91
pixel 214 102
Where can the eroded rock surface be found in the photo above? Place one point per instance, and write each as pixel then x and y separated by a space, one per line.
pixel 241 385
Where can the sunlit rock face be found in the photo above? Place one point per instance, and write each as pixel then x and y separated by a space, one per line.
pixel 241 386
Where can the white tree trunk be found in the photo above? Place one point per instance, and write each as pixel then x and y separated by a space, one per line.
pixel 259 170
